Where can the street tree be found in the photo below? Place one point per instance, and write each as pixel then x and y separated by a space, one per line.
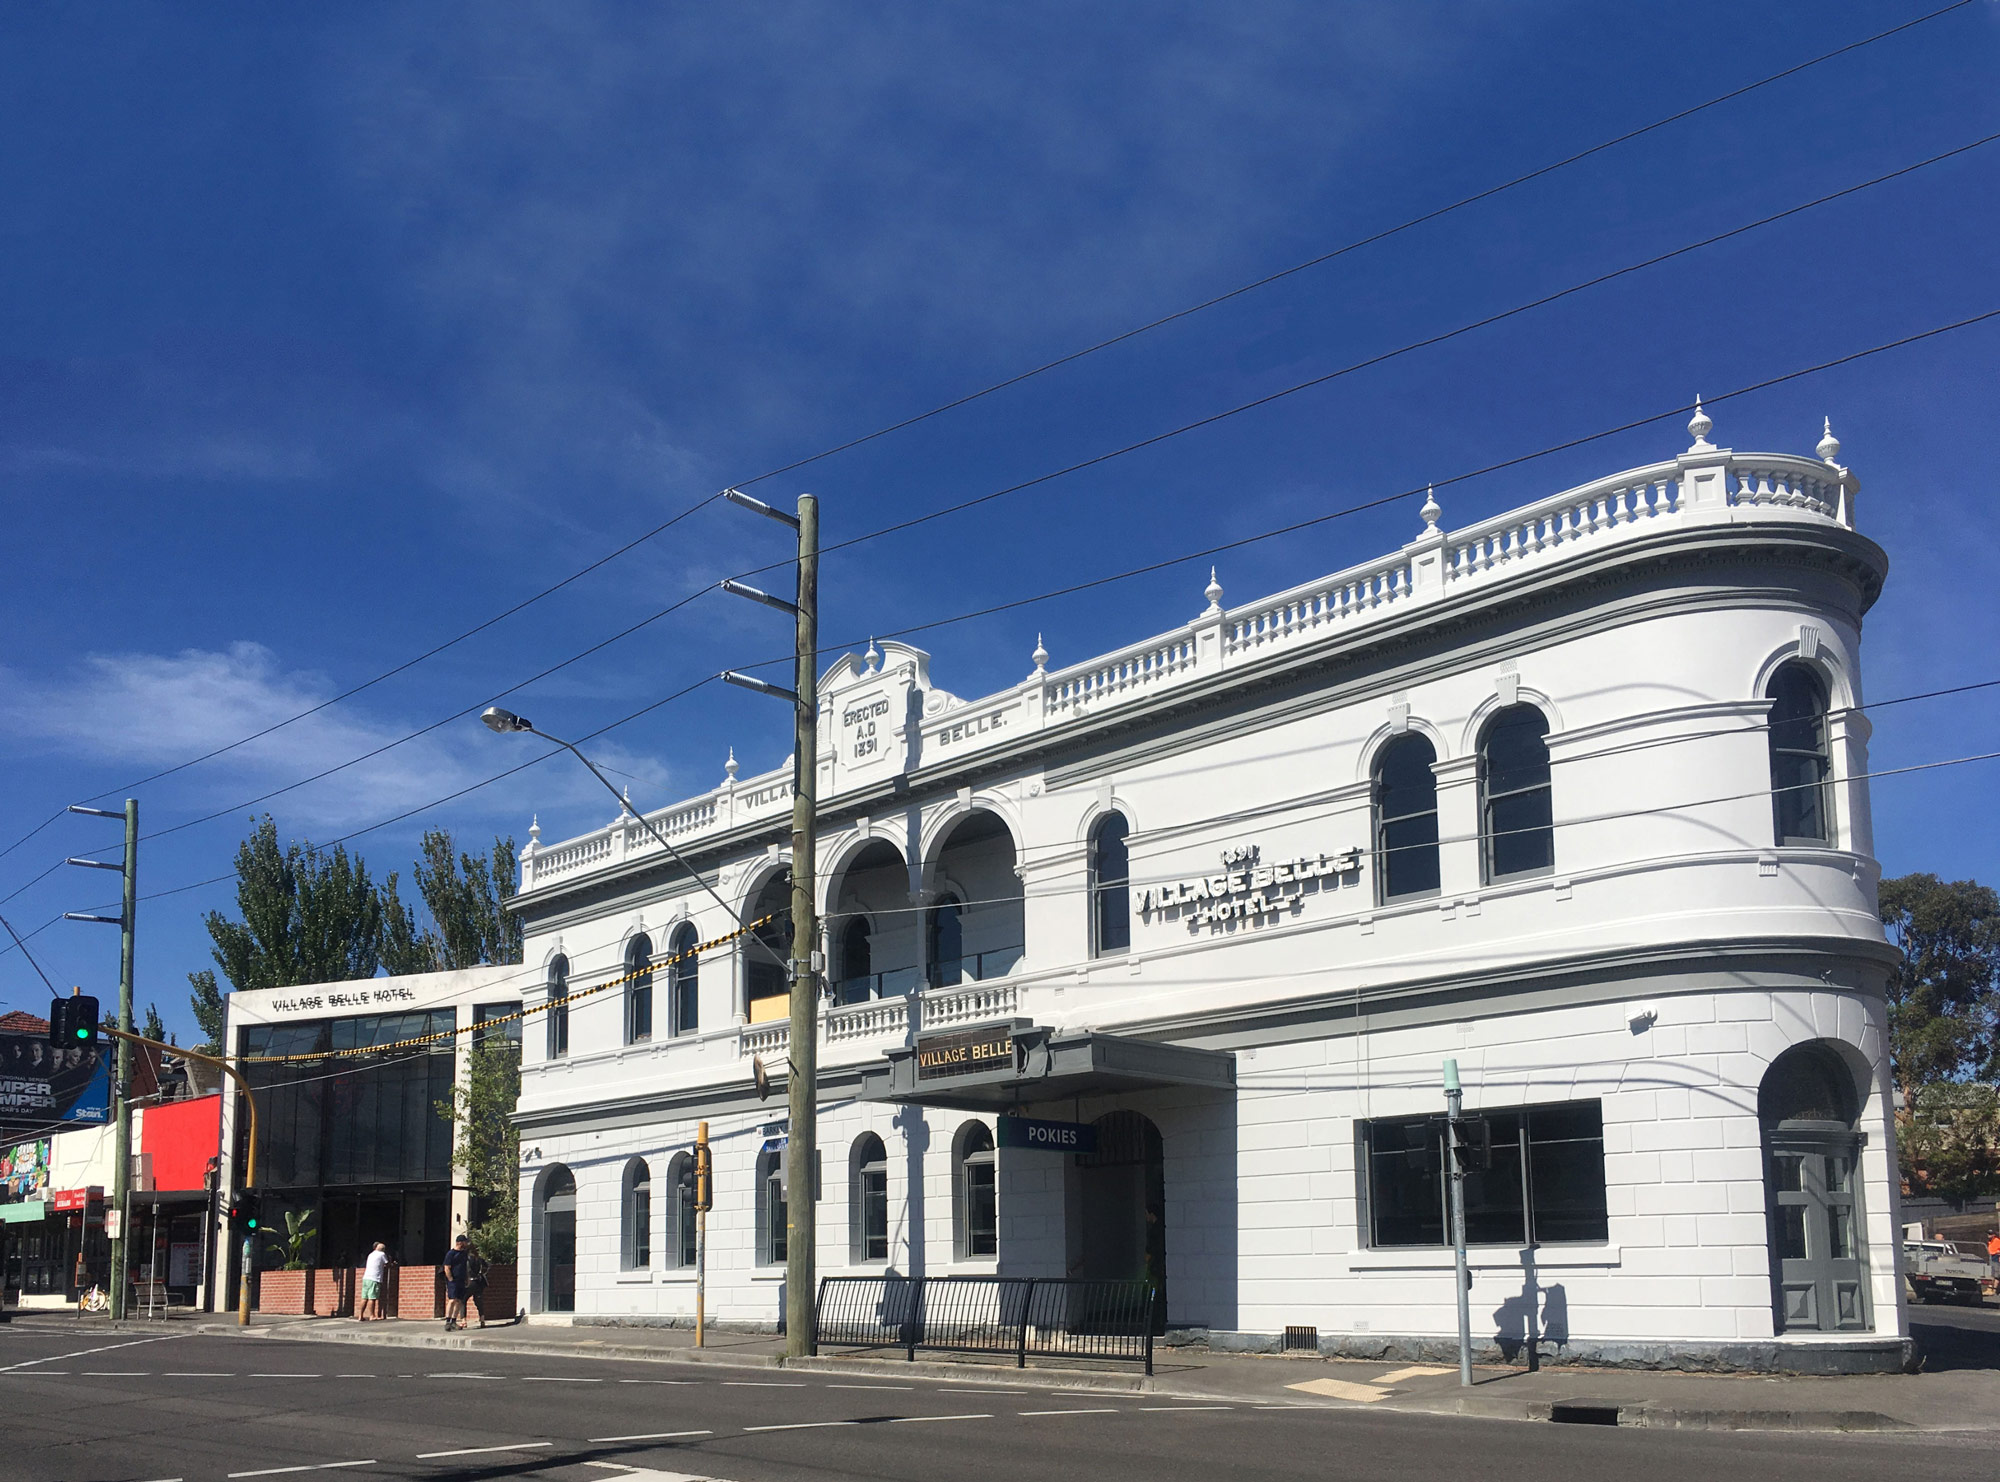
pixel 1944 998
pixel 487 1144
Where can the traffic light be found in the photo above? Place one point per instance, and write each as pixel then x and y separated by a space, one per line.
pixel 72 1020
pixel 245 1213
pixel 1475 1144
pixel 704 1178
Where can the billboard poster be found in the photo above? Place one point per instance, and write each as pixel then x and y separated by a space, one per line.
pixel 24 1171
pixel 44 1085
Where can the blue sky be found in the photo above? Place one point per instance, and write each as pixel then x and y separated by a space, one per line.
pixel 328 332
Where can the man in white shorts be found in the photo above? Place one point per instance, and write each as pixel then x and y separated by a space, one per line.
pixel 372 1276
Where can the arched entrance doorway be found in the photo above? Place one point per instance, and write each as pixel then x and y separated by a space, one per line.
pixel 1807 1105
pixel 1122 1204
pixel 559 1241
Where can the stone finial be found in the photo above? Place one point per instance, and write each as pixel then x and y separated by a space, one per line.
pixel 1430 511
pixel 535 829
pixel 1040 656
pixel 1699 425
pixel 729 767
pixel 873 657
pixel 625 804
pixel 1213 591
pixel 1829 445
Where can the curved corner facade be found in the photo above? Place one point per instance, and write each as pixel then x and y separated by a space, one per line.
pixel 1576 798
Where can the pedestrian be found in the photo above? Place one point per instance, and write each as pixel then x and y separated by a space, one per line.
pixel 457 1273
pixel 373 1274
pixel 475 1289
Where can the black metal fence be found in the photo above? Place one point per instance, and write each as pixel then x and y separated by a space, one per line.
pixel 1017 1317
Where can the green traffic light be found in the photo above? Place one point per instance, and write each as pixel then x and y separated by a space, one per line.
pixel 82 1033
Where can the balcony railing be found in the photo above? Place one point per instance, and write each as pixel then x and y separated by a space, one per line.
pixel 976 967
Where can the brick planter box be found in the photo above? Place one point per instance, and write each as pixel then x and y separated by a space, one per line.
pixel 287 1292
pixel 333 1291
pixel 498 1302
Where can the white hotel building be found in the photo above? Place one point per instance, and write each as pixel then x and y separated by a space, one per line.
pixel 1575 797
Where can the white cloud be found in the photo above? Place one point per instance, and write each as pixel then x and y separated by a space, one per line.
pixel 218 456
pixel 151 711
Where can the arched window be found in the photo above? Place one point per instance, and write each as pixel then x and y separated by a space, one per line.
pixel 1800 763
pixel 637 1243
pixel 684 980
pixel 975 1194
pixel 771 1211
pixel 947 942
pixel 868 1200
pixel 1406 818
pixel 558 1285
pixel 855 980
pixel 639 990
pixel 681 1211
pixel 1516 821
pixel 766 986
pixel 1110 896
pixel 558 1012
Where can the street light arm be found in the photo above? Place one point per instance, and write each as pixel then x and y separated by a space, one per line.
pixel 612 788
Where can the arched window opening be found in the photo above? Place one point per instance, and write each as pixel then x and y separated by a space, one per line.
pixel 558 1026
pixel 1801 761
pixel 1517 821
pixel 947 943
pixel 1110 893
pixel 639 990
pixel 771 1210
pixel 975 1202
pixel 681 1226
pixel 558 1240
pixel 868 1196
pixel 766 987
pixel 637 1244
pixel 1807 1105
pixel 1406 818
pixel 855 980
pixel 684 980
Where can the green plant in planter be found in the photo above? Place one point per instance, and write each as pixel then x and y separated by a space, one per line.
pixel 298 1230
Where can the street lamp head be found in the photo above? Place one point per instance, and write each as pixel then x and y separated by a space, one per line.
pixel 504 721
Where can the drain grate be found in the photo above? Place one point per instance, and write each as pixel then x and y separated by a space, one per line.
pixel 1302 1338
pixel 1584 1412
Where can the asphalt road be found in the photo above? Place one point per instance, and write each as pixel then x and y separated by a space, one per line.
pixel 124 1407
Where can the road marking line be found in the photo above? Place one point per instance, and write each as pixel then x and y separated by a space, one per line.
pixel 117 1373
pixel 648 1436
pixel 56 1358
pixel 765 1383
pixel 1065 1412
pixel 557 1379
pixel 482 1450
pixel 458 1376
pixel 286 1374
pixel 201 1374
pixel 800 1425
pixel 323 1466
pixel 920 1419
pixel 969 1391
pixel 871 1386
pixel 1185 1407
pixel 659 1381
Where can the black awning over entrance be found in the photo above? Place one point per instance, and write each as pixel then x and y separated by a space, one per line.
pixel 991 1067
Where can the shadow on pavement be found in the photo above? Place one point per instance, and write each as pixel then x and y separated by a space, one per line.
pixel 1955 1342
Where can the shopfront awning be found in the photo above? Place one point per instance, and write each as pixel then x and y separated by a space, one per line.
pixel 991 1067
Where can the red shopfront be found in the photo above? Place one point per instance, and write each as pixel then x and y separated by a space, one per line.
pixel 178 1142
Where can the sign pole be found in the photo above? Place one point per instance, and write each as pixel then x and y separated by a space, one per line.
pixel 701 1202
pixel 1453 1101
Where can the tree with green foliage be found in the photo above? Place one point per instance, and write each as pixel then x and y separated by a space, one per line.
pixel 311 915
pixel 487 1144
pixel 1944 1032
pixel 155 1028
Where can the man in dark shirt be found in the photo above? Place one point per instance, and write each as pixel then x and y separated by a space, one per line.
pixel 456 1271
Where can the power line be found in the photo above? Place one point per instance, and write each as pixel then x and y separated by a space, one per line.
pixel 982 499
pixel 1292 528
pixel 1360 242
pixel 1019 377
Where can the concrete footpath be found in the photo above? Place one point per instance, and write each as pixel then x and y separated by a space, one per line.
pixel 1964 1398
